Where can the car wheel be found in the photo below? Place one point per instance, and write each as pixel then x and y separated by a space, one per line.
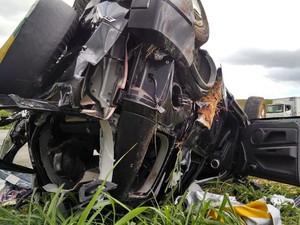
pixel 201 24
pixel 255 107
pixel 30 54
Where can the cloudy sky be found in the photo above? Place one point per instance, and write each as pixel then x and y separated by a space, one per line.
pixel 257 43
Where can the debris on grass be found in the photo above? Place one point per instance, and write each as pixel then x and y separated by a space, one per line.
pixel 13 185
pixel 223 205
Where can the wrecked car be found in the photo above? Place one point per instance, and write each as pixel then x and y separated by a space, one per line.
pixel 122 92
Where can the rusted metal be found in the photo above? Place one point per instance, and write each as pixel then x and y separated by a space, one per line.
pixel 208 109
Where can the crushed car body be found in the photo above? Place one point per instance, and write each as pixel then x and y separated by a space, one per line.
pixel 122 92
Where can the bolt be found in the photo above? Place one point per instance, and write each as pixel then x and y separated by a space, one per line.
pixel 215 163
pixel 253 166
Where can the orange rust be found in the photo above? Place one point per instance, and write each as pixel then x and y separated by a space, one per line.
pixel 207 113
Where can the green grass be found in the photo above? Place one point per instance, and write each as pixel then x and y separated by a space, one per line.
pixel 246 192
pixel 168 213
pixel 4 113
pixel 45 209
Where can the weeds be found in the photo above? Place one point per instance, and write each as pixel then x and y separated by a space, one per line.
pixel 47 210
pixel 49 213
pixel 252 189
pixel 4 113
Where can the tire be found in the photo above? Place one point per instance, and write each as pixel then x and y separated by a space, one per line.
pixel 255 107
pixel 201 26
pixel 30 55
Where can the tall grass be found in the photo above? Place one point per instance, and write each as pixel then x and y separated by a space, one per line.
pixel 4 113
pixel 49 213
pixel 253 188
pixel 105 209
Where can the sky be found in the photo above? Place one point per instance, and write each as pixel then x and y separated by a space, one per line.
pixel 256 42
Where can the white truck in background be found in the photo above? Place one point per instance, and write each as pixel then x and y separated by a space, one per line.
pixel 283 107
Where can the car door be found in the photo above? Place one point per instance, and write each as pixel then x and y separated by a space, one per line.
pixel 271 149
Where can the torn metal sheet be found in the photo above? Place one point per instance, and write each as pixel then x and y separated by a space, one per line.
pixel 112 21
pixel 88 176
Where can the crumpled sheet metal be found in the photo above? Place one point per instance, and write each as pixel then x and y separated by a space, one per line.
pixel 89 175
pixel 104 36
pixel 254 213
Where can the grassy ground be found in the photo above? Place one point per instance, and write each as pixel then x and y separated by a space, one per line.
pixel 248 192
pixel 4 113
pixel 45 210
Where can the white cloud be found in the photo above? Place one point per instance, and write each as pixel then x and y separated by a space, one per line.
pixel 69 2
pixel 246 81
pixel 268 25
pixel 11 14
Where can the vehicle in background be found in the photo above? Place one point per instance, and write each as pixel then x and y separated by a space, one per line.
pixel 283 107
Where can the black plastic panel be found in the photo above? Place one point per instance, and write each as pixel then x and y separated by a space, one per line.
pixel 272 149
pixel 168 25
pixel 151 82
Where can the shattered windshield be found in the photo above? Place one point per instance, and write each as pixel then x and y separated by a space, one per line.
pixel 275 108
